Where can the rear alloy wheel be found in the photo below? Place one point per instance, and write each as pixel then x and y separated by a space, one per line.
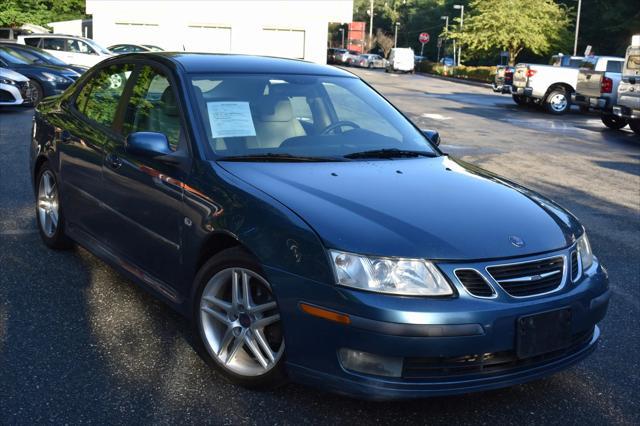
pixel 239 321
pixel 612 121
pixel 48 212
pixel 557 102
pixel 635 126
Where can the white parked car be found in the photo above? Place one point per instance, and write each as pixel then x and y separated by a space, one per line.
pixel 401 59
pixel 70 49
pixel 15 88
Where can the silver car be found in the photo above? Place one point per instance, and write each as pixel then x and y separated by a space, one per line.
pixel 370 60
pixel 15 88
pixel 628 105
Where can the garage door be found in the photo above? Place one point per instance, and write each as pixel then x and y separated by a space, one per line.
pixel 283 43
pixel 138 33
pixel 208 39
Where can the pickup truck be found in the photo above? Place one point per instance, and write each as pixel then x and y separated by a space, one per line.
pixel 550 85
pixel 503 79
pixel 598 89
pixel 628 105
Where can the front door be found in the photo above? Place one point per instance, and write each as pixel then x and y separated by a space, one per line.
pixel 144 194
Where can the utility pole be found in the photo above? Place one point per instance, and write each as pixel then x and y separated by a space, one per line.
pixel 575 42
pixel 395 38
pixel 370 24
pixel 461 7
pixel 446 34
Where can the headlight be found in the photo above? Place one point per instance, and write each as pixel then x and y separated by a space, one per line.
pixel 584 250
pixel 7 81
pixel 408 277
pixel 55 78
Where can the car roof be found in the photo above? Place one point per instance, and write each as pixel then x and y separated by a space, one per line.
pixel 241 64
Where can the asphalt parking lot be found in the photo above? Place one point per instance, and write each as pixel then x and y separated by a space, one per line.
pixel 80 344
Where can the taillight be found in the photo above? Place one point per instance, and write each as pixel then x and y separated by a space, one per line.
pixel 531 73
pixel 508 73
pixel 606 85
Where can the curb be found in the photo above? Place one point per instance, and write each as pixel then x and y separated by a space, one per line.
pixel 456 80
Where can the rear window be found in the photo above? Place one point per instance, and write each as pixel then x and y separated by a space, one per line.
pixel 614 66
pixel 633 63
pixel 32 41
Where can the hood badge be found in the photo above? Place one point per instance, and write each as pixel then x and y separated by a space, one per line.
pixel 516 241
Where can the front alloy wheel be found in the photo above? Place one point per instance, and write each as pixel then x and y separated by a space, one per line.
pixel 240 325
pixel 49 214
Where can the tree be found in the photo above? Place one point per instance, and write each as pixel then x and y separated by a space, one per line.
pixel 383 41
pixel 539 26
pixel 14 13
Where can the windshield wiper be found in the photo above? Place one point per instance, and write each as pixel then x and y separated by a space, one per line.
pixel 279 158
pixel 390 153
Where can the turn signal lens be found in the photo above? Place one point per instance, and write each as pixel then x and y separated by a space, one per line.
pixel 325 314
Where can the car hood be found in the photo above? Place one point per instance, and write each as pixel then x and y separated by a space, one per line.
pixel 7 73
pixel 436 208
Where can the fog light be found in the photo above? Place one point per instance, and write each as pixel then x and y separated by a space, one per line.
pixel 364 362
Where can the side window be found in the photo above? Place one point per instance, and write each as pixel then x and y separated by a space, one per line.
pixel 614 66
pixel 32 41
pixel 78 46
pixel 53 43
pixel 99 98
pixel 351 108
pixel 153 106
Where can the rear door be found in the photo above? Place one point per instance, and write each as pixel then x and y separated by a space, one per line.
pixel 143 194
pixel 83 140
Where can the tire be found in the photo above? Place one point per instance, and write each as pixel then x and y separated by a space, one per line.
pixel 557 102
pixel 49 212
pixel 38 93
pixel 370 66
pixel 224 324
pixel 520 100
pixel 635 126
pixel 613 121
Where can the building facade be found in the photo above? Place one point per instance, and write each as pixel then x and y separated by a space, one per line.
pixel 285 28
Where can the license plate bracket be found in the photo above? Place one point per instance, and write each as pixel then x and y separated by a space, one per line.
pixel 543 332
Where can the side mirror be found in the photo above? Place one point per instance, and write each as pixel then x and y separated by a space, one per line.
pixel 432 135
pixel 149 144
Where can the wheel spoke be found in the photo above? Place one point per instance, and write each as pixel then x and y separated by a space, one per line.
pixel 54 217
pixel 48 225
pixel 262 341
pixel 246 293
pixel 263 322
pixel 225 306
pixel 253 347
pixel 215 314
pixel 236 299
pixel 226 339
pixel 237 344
pixel 263 307
pixel 47 183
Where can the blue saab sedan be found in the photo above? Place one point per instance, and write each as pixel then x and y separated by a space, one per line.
pixel 310 230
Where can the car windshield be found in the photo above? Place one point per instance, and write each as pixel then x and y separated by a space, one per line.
pixel 13 58
pixel 310 117
pixel 41 56
pixel 97 47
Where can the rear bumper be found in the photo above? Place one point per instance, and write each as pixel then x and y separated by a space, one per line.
pixel 597 103
pixel 628 113
pixel 421 330
pixel 523 91
pixel 502 88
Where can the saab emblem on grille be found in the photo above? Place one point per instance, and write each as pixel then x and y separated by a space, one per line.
pixel 516 241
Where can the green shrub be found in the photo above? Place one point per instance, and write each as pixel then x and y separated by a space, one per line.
pixel 484 74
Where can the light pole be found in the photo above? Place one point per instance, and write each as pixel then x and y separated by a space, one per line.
pixel 446 33
pixel 342 32
pixel 395 38
pixel 461 7
pixel 575 42
pixel 370 24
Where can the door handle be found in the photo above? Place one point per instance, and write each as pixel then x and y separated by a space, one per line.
pixel 113 161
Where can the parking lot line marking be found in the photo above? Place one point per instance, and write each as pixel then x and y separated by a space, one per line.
pixel 436 116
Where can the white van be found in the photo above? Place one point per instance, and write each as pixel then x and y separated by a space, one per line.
pixel 401 59
pixel 70 49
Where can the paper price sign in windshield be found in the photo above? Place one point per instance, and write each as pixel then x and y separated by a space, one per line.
pixel 230 119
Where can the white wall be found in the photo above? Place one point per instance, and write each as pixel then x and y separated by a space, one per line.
pixel 73 27
pixel 288 28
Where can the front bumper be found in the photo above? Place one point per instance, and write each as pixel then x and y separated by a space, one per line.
pixel 625 112
pixel 426 328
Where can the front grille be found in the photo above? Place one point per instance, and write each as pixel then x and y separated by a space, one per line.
pixel 484 364
pixel 529 278
pixel 6 96
pixel 574 266
pixel 474 282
